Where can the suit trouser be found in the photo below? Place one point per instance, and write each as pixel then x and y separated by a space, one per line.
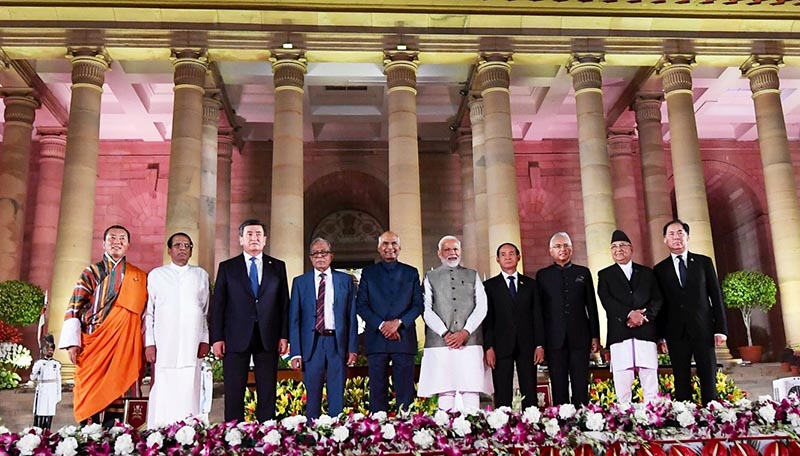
pixel 236 367
pixel 567 365
pixel 402 379
pixel 680 355
pixel 328 367
pixel 503 379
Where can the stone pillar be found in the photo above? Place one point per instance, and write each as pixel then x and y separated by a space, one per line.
pixel 208 183
pixel 405 213
pixel 484 256
pixel 286 240
pixel 657 205
pixel 75 227
pixel 223 238
pixel 687 167
pixel 779 180
pixel 626 197
pixel 501 175
pixel 183 190
pixel 48 196
pixel 20 110
pixel 470 254
pixel 598 200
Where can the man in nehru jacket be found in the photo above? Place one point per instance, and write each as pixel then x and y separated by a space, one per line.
pixel 629 292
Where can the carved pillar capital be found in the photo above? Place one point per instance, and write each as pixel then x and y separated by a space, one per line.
pixel 475 110
pixel 289 71
pixel 647 107
pixel 211 105
pixel 676 73
pixel 586 70
pixel 190 68
pixel 464 142
pixel 401 70
pixel 762 71
pixel 620 142
pixel 494 72
pixel 20 107
pixel 53 144
pixel 89 66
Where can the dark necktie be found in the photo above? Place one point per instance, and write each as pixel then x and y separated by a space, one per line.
pixel 511 287
pixel 254 276
pixel 319 325
pixel 682 270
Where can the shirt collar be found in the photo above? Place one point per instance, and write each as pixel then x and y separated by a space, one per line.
pixel 327 273
pixel 247 257
pixel 506 276
pixel 389 265
pixel 627 266
pixel 685 256
pixel 178 267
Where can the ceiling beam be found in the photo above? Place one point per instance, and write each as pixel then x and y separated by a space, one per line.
pixel 627 97
pixel 230 113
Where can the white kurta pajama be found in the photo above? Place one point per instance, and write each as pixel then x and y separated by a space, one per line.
pixel 175 322
pixel 630 356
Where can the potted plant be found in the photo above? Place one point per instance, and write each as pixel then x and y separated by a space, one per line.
pixel 748 290
pixel 787 356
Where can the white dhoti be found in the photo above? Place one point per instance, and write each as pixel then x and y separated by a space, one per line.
pixel 631 356
pixel 462 370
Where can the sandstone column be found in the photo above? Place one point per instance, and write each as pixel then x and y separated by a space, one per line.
pixel 405 214
pixel 20 110
pixel 48 196
pixel 75 227
pixel 626 197
pixel 224 159
pixel 286 228
pixel 183 190
pixel 470 255
pixel 687 167
pixel 484 257
pixel 208 183
pixel 657 205
pixel 779 180
pixel 501 175
pixel 598 200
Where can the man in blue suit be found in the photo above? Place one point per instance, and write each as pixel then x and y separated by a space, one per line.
pixel 389 301
pixel 249 317
pixel 323 332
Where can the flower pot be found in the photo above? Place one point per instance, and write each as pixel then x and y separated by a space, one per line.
pixel 751 353
pixel 795 370
pixel 785 366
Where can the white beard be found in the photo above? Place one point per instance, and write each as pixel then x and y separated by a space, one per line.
pixel 450 264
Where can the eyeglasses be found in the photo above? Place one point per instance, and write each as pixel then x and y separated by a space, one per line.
pixel 561 246
pixel 185 245
pixel 620 246
pixel 320 254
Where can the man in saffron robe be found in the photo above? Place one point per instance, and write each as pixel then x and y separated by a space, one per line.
pixel 103 331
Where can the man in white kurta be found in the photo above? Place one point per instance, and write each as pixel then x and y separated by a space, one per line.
pixel 455 306
pixel 176 334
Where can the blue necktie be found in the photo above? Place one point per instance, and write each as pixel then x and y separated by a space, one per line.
pixel 511 287
pixel 682 270
pixel 254 276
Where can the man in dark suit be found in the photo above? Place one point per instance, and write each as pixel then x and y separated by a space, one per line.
pixel 389 301
pixel 323 331
pixel 692 320
pixel 249 317
pixel 572 329
pixel 629 293
pixel 513 331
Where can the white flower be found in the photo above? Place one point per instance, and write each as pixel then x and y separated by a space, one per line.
pixel 185 435
pixel 595 421
pixel 4 430
pixel 36 430
pixel 124 445
pixel 767 412
pixel 155 439
pixel 340 434
pixel 727 415
pixel 273 437
pixel 93 431
pixel 357 417
pixel 380 417
pixel 794 419
pixel 441 418
pixel 640 415
pixel 291 422
pixel 388 432
pixel 566 411
pixel 685 418
pixel 551 427
pixel 233 437
pixel 461 426
pixel 423 438
pixel 116 430
pixel 764 398
pixel 743 403
pixel 531 414
pixel 325 420
pixel 66 431
pixel 28 443
pixel 497 418
pixel 67 447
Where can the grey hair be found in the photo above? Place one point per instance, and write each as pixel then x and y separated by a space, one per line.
pixel 320 239
pixel 380 238
pixel 447 238
pixel 560 234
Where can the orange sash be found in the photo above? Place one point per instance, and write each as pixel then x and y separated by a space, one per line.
pixel 112 355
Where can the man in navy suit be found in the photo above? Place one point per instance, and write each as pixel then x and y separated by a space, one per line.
pixel 389 301
pixel 323 332
pixel 692 320
pixel 249 317
pixel 513 332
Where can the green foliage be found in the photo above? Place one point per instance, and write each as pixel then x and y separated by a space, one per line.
pixel 601 392
pixel 20 302
pixel 749 290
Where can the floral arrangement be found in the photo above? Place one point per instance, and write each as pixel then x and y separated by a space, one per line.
pixel 601 392
pixel 641 429
pixel 13 357
pixel 9 333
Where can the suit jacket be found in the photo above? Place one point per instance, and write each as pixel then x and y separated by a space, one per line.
pixel 512 322
pixel 389 291
pixel 694 311
pixel 234 305
pixel 303 315
pixel 619 297
pixel 569 306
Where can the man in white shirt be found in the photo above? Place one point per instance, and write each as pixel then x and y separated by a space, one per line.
pixel 176 334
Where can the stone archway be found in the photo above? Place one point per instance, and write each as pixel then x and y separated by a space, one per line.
pixel 353 234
